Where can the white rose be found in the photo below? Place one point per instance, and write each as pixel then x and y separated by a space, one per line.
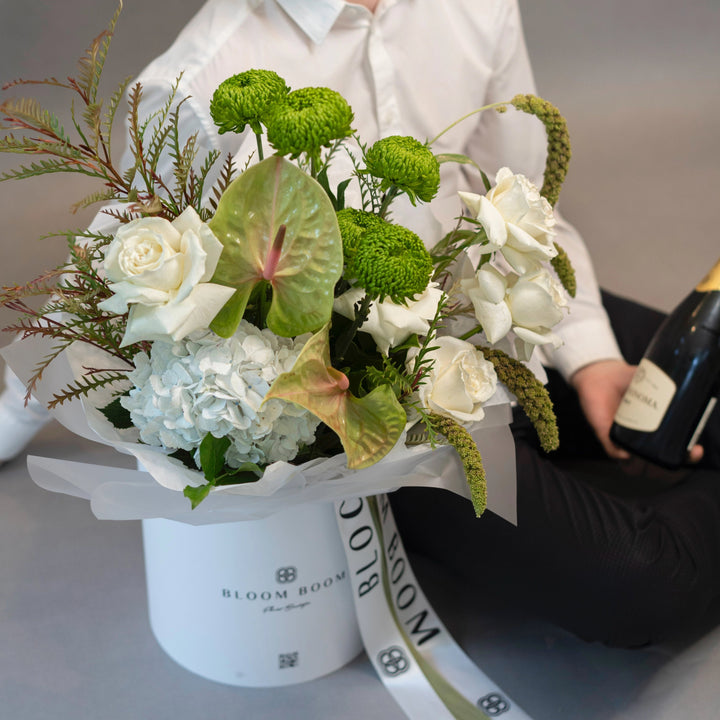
pixel 536 301
pixel 160 271
pixel 487 291
pixel 529 305
pixel 518 221
pixel 459 382
pixel 391 324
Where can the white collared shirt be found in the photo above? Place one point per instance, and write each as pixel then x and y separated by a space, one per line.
pixel 411 68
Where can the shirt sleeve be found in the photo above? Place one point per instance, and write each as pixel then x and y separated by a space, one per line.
pixel 518 141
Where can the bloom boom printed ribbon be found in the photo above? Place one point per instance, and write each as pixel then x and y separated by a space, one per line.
pixel 425 670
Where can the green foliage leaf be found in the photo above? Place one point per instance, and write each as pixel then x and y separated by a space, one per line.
pixel 456 158
pixel 268 199
pixel 368 427
pixel 196 494
pixel 212 455
pixel 117 415
pixel 212 463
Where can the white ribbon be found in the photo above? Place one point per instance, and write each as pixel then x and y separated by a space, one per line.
pixel 420 664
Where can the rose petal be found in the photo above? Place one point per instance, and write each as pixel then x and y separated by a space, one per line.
pixel 493 222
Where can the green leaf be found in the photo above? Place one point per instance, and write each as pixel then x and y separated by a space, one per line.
pixel 212 456
pixel 368 427
pixel 226 321
pixel 456 158
pixel 246 473
pixel 196 494
pixel 277 225
pixel 117 415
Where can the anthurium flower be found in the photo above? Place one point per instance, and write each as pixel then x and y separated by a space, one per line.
pixel 518 221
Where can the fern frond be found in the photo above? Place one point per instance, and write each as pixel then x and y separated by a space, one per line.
pixel 28 114
pixel 123 216
pixel 96 197
pixel 195 187
pixel 92 117
pixel 182 166
pixel 40 369
pixel 43 167
pixel 227 174
pixel 39 287
pixel 85 385
pixel 50 82
pixel 135 131
pixel 112 108
pixel 91 64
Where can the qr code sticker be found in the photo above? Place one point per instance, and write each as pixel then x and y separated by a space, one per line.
pixel 288 660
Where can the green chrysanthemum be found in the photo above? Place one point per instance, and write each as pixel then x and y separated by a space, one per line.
pixel 407 164
pixel 353 224
pixel 391 261
pixel 307 120
pixel 244 99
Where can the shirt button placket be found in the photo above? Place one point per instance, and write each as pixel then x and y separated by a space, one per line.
pixel 381 67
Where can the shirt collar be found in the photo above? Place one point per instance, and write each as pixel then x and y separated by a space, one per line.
pixel 314 17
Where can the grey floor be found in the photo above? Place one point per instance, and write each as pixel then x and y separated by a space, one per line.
pixel 637 80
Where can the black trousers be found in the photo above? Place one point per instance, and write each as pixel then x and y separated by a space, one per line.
pixel 623 553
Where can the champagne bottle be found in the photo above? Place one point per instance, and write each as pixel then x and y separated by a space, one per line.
pixel 677 382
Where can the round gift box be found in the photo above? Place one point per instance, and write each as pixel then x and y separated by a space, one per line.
pixel 256 603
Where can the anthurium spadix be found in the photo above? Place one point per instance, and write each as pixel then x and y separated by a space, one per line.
pixel 368 427
pixel 277 225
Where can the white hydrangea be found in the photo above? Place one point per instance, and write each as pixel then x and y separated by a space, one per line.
pixel 208 384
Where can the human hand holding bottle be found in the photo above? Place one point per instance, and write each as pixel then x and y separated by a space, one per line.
pixel 600 387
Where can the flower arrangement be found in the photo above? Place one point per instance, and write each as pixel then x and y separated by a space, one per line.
pixel 247 317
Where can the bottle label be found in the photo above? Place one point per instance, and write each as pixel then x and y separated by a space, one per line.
pixel 647 399
pixel 711 281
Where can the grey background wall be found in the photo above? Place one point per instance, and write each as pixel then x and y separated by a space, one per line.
pixel 636 79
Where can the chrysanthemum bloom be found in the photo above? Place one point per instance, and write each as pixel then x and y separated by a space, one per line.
pixel 407 164
pixel 308 120
pixel 245 98
pixel 391 261
pixel 353 223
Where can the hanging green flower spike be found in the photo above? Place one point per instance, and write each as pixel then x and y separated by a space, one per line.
pixel 244 99
pixel 353 223
pixel 404 162
pixel 308 120
pixel 556 167
pixel 531 394
pixel 470 457
pixel 391 261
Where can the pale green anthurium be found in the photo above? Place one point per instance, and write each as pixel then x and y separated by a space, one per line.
pixel 368 427
pixel 277 225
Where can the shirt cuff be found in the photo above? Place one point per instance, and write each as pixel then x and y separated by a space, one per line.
pixel 584 343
